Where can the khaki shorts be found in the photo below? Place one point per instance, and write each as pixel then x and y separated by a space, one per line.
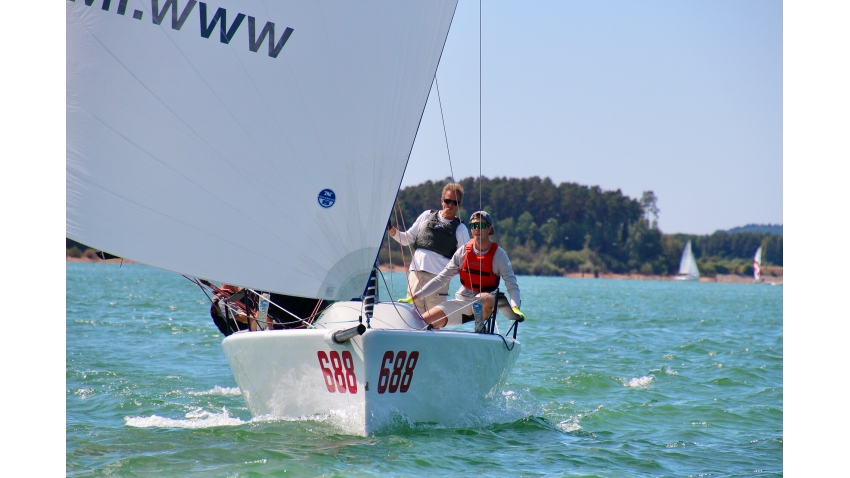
pixel 415 283
pixel 456 308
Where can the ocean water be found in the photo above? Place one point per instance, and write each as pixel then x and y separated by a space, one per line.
pixel 616 378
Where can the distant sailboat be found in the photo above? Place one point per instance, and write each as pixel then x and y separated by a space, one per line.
pixel 688 269
pixel 757 266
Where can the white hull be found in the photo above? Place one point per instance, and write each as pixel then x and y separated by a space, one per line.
pixel 689 278
pixel 443 377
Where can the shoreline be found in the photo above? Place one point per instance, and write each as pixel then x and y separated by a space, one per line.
pixel 117 260
pixel 724 278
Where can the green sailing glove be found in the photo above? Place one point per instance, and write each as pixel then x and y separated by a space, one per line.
pixel 406 300
pixel 517 312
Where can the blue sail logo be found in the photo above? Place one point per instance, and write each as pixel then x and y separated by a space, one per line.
pixel 327 198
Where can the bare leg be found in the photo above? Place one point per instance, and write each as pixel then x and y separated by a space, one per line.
pixel 487 303
pixel 435 317
pixel 415 281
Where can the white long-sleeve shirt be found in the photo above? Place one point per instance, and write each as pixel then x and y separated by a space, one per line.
pixel 423 259
pixel 501 267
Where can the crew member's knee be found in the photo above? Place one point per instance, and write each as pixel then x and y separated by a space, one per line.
pixel 434 316
pixel 487 300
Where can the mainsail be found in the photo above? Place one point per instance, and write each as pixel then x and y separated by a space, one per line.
pixel 688 265
pixel 255 143
pixel 757 265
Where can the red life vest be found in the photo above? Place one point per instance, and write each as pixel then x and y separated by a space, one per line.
pixel 476 272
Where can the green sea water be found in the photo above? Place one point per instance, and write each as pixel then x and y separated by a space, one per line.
pixel 615 378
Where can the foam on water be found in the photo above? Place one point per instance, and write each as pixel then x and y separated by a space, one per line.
pixel 515 406
pixel 505 407
pixel 217 390
pixel 569 425
pixel 197 418
pixel 347 420
pixel 640 382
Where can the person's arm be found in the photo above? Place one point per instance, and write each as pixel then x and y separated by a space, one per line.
pixel 407 237
pixel 502 267
pixel 444 277
pixel 462 235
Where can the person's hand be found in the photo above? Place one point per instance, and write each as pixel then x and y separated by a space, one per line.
pixel 518 313
pixel 406 300
pixel 391 229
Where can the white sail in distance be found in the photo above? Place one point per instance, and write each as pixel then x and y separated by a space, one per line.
pixel 256 143
pixel 757 265
pixel 688 264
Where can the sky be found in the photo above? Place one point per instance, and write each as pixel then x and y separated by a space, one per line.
pixel 680 98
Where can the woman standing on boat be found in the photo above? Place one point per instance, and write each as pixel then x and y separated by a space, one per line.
pixel 435 236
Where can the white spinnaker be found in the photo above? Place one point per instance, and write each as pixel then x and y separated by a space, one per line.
pixel 207 158
pixel 757 264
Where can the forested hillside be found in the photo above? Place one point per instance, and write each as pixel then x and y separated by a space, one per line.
pixel 550 229
pixel 771 228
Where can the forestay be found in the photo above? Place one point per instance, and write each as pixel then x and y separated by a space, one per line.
pixel 258 143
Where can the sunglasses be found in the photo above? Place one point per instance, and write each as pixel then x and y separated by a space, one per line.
pixel 479 225
pixel 450 202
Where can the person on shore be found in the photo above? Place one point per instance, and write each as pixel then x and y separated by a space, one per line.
pixel 435 236
pixel 482 264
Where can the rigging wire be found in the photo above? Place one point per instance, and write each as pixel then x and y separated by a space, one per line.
pixel 196 282
pixel 307 324
pixel 390 257
pixel 445 134
pixel 409 247
pixel 480 185
pixel 394 304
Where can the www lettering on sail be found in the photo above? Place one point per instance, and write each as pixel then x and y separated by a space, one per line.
pixel 209 21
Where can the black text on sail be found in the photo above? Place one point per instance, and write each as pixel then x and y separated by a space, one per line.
pixel 208 22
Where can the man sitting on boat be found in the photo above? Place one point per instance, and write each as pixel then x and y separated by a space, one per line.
pixel 240 312
pixel 233 316
pixel 435 236
pixel 481 264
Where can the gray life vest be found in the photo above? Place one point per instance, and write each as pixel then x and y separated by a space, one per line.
pixel 438 236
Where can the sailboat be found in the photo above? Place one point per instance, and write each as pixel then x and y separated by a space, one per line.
pixel 262 145
pixel 688 269
pixel 757 266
